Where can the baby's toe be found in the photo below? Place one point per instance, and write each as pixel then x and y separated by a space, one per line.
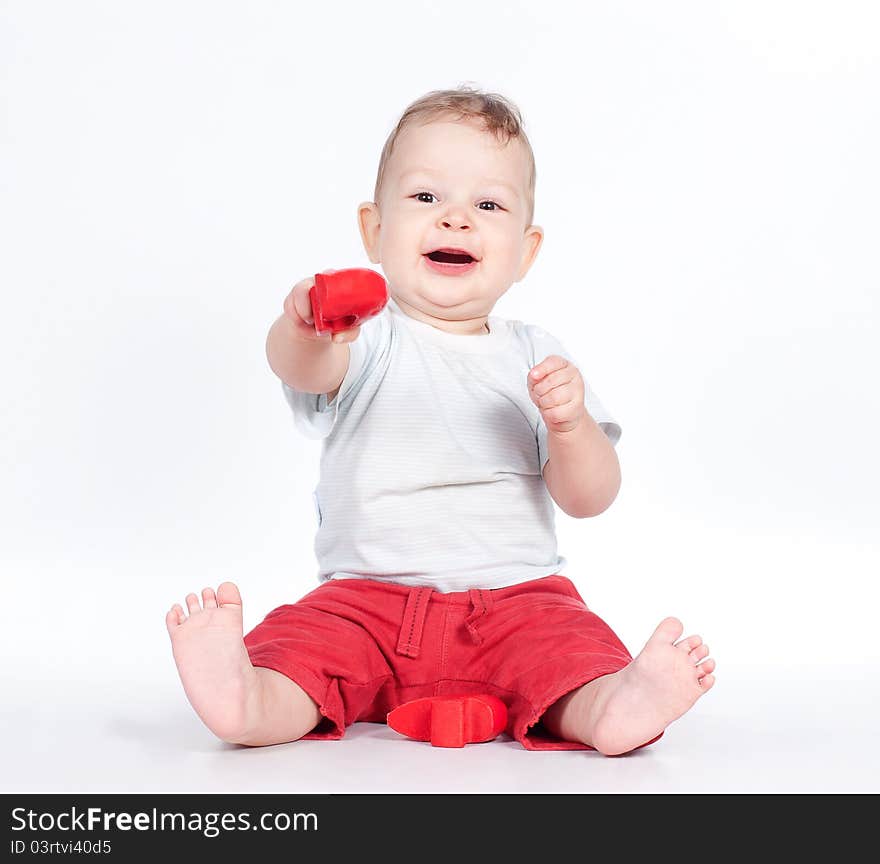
pixel 174 618
pixel 699 653
pixel 689 643
pixel 706 682
pixel 228 594
pixel 192 603
pixel 705 668
pixel 209 598
pixel 668 630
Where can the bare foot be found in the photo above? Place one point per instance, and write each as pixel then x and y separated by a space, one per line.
pixel 213 663
pixel 634 705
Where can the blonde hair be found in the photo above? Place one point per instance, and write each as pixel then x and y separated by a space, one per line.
pixel 498 115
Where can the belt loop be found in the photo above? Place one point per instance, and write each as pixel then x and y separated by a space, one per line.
pixel 481 604
pixel 410 638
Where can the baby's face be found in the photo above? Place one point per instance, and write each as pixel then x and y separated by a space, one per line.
pixel 449 184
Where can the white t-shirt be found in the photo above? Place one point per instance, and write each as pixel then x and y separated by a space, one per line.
pixel 432 457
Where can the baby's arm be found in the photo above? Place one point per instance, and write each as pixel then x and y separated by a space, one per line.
pixel 302 358
pixel 582 473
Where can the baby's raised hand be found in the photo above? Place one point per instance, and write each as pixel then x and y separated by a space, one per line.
pixel 298 309
pixel 557 388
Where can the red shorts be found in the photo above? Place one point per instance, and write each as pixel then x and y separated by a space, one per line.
pixel 361 647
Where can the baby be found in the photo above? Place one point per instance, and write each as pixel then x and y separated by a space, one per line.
pixel 447 433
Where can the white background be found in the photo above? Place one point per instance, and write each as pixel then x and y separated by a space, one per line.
pixel 707 178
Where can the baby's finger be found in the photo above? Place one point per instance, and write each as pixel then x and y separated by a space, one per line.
pixel 294 307
pixel 546 366
pixel 554 379
pixel 302 301
pixel 556 397
pixel 347 335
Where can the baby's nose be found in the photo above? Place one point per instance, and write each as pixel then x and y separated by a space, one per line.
pixel 455 222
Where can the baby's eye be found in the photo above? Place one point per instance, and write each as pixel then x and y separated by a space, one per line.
pixel 422 195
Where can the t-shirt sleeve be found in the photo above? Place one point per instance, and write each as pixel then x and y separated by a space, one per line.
pixel 313 415
pixel 543 345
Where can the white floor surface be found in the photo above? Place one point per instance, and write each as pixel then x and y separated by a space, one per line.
pixel 755 732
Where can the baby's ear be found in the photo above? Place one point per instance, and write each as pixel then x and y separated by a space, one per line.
pixel 369 224
pixel 532 240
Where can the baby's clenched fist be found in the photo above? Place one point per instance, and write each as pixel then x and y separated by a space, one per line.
pixel 557 388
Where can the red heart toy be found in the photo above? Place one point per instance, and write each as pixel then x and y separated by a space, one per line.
pixel 342 299
pixel 450 721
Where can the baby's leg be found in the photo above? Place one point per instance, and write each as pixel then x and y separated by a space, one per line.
pixel 617 713
pixel 239 702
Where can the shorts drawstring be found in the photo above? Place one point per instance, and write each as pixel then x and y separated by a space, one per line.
pixel 410 638
pixel 481 604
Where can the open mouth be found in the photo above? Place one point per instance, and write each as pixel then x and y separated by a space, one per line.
pixel 448 256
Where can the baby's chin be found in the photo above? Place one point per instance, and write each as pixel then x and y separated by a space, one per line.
pixel 431 301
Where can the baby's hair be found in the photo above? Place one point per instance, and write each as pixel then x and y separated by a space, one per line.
pixel 498 114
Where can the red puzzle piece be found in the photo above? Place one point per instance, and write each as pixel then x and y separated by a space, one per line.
pixel 450 721
pixel 342 299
